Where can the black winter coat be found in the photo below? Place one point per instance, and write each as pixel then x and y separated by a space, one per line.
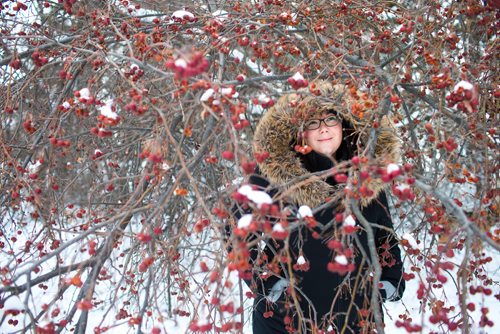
pixel 328 297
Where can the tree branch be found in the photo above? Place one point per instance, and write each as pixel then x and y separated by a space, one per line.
pixel 457 212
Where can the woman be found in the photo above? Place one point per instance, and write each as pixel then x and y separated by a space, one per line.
pixel 316 274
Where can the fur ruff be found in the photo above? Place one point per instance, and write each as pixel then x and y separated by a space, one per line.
pixel 281 124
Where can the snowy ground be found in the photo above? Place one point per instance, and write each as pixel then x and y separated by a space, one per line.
pixel 409 304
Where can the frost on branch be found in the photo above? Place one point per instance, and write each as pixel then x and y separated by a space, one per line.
pixel 341 259
pixel 464 97
pixel 304 211
pixel 297 81
pixel 279 232
pixel 84 95
pixel 245 221
pixel 349 224
pixel 259 198
pixel 207 94
pixel 464 85
pixel 180 15
pixel 108 114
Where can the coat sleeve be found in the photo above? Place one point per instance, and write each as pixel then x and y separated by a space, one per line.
pixel 388 249
pixel 257 257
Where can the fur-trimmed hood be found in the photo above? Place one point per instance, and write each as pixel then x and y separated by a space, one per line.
pixel 281 125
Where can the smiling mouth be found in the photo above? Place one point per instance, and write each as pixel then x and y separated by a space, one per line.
pixel 326 139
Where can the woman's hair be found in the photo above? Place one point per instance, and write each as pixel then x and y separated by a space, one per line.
pixel 348 146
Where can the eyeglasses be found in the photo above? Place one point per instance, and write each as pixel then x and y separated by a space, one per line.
pixel 314 124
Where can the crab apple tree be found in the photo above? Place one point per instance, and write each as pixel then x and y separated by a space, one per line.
pixel 126 131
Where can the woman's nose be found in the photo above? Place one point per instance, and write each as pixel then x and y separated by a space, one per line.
pixel 323 127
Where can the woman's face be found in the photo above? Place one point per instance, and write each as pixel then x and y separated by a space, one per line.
pixel 325 139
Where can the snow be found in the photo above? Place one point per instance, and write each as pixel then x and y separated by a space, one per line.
pixel 14 303
pixel 402 187
pixel 341 259
pixel 237 54
pixel 221 15
pixel 97 151
pixel 229 91
pixel 180 63
pixel 391 168
pixel 207 94
pixel 226 91
pixel 181 14
pixel 245 190
pixel 222 39
pixel 464 85
pixel 448 293
pixel 297 76
pixel 304 211
pixel 245 221
pixel 260 198
pixel 411 240
pixel 466 193
pixel 165 166
pixel 409 304
pixel 33 168
pixel 107 111
pixel 84 93
pixel 256 196
pixel 66 105
pixel 278 228
pixel 349 221
pixel 264 98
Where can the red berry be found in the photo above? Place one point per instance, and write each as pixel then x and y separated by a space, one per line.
pixel 227 155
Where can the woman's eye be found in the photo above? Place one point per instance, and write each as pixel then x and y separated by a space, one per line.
pixel 331 121
pixel 312 124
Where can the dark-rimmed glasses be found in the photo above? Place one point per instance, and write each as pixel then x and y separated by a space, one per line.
pixel 314 124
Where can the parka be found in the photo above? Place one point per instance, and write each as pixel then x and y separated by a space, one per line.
pixel 318 273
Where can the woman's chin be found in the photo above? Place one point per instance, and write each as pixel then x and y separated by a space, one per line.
pixel 326 153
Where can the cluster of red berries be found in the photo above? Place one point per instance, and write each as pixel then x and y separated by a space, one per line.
pixel 186 68
pixel 464 98
pixel 59 143
pixel 145 264
pixel 38 59
pixel 101 132
pixel 297 81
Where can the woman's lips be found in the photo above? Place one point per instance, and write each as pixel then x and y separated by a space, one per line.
pixel 326 139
